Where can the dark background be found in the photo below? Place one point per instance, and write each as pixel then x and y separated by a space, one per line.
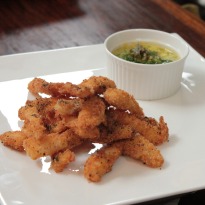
pixel 201 7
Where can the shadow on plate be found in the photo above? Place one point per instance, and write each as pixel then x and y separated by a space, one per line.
pixel 4 125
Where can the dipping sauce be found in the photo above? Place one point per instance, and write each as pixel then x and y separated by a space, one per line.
pixel 146 53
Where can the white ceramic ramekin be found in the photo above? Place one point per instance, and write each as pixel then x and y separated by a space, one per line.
pixel 146 81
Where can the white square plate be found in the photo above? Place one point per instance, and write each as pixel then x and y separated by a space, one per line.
pixel 24 181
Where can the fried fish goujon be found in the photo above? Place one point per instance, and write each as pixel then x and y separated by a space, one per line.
pixel 94 111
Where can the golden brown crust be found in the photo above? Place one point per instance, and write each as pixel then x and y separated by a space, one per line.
pixel 100 163
pixel 123 101
pixel 89 87
pixel 142 149
pixel 50 144
pixel 13 139
pixel 61 160
pixel 94 111
pixel 156 132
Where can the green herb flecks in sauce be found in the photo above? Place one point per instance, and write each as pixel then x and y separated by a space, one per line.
pixel 146 53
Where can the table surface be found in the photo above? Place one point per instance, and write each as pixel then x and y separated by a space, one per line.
pixel 27 26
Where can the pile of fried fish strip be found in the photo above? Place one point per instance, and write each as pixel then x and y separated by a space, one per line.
pixel 94 111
